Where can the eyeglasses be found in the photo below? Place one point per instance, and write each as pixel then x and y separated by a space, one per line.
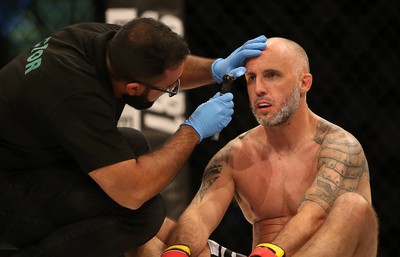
pixel 171 90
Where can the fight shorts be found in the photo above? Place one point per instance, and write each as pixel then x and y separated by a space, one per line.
pixel 218 250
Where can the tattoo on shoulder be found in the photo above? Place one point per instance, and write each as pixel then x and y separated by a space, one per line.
pixel 243 135
pixel 323 129
pixel 341 164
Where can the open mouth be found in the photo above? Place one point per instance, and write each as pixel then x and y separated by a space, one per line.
pixel 263 105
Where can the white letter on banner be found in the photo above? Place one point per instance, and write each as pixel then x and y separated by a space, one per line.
pixel 174 23
pixel 120 15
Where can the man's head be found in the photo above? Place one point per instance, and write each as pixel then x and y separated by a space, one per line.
pixel 277 81
pixel 147 55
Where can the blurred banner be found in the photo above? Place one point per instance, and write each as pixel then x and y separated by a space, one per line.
pixel 167 113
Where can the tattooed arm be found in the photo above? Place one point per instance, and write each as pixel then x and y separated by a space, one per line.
pixel 208 206
pixel 342 167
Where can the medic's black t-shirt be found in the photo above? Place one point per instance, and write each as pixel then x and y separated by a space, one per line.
pixel 57 105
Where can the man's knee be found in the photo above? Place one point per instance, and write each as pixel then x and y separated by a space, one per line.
pixel 354 204
pixel 145 222
pixel 357 210
pixel 154 213
pixel 355 216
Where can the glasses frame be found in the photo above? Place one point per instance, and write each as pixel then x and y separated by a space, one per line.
pixel 171 92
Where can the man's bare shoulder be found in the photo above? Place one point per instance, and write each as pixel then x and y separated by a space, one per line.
pixel 237 149
pixel 328 133
pixel 250 138
pixel 342 166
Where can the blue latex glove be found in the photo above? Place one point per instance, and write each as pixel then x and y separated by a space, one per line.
pixel 233 63
pixel 212 116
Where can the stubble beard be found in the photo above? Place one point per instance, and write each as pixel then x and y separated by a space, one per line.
pixel 287 108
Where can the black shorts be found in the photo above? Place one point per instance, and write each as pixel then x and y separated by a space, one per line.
pixel 218 250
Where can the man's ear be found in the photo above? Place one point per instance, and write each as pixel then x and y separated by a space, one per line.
pixel 133 88
pixel 306 83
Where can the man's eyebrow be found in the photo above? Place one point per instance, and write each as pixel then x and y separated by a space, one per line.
pixel 264 71
pixel 271 70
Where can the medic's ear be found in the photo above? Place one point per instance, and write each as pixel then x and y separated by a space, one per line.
pixel 133 88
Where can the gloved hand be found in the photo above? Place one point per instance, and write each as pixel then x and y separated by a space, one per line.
pixel 267 250
pixel 212 116
pixel 233 63
pixel 177 251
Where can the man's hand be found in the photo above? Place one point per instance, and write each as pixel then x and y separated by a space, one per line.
pixel 267 250
pixel 212 116
pixel 233 64
pixel 177 251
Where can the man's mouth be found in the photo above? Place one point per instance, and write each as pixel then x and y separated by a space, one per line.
pixel 263 105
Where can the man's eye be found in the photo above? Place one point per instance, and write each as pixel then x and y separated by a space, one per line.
pixel 251 78
pixel 272 75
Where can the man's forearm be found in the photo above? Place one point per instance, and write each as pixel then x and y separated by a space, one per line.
pixel 300 228
pixel 168 159
pixel 132 182
pixel 190 232
pixel 197 72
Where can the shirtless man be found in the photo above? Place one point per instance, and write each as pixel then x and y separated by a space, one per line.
pixel 301 181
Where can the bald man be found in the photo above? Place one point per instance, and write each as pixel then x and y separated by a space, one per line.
pixel 301 181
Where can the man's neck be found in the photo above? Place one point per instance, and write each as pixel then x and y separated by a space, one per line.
pixel 299 128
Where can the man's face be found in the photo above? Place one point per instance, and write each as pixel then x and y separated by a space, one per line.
pixel 288 106
pixel 150 91
pixel 273 86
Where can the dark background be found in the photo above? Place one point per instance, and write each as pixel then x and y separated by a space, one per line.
pixel 354 53
pixel 355 60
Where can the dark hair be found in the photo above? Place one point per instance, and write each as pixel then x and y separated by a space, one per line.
pixel 145 48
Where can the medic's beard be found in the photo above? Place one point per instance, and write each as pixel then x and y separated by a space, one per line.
pixel 138 102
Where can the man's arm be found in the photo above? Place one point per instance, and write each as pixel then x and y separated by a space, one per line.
pixel 132 182
pixel 207 207
pixel 342 167
pixel 196 72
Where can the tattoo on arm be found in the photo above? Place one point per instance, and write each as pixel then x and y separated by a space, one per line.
pixel 341 163
pixel 212 172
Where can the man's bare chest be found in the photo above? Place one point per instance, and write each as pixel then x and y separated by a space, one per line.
pixel 273 187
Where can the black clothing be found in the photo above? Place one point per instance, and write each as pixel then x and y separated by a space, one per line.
pixel 58 118
pixel 64 109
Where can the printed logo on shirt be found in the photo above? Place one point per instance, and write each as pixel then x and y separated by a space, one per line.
pixel 34 60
